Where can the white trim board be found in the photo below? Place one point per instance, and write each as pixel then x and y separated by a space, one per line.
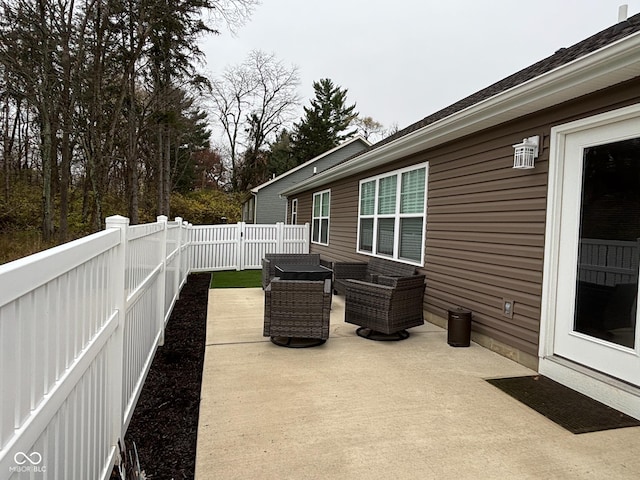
pixel 608 390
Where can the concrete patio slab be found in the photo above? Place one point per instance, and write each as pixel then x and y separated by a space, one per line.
pixel 359 409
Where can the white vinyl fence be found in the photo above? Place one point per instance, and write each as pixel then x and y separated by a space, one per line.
pixel 242 246
pixel 79 327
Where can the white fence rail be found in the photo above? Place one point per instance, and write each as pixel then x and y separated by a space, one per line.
pixel 79 327
pixel 243 246
pixel 608 262
pixel 58 323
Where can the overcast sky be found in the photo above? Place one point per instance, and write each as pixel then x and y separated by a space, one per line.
pixel 402 60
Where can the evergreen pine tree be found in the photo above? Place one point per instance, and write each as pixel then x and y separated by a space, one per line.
pixel 280 154
pixel 324 123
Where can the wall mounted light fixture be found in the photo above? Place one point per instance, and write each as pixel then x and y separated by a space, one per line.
pixel 526 152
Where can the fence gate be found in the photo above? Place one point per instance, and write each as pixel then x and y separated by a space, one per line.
pixel 243 246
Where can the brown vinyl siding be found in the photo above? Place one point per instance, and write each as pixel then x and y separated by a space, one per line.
pixel 485 235
pixel 485 220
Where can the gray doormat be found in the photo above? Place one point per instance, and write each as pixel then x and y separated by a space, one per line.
pixel 566 407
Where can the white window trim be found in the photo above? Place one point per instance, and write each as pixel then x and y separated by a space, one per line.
pixel 294 211
pixel 321 217
pixel 397 216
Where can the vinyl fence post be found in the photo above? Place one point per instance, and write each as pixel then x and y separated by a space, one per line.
pixel 279 237
pixel 240 246
pixel 162 278
pixel 178 261
pixel 119 288
pixel 188 227
pixel 306 238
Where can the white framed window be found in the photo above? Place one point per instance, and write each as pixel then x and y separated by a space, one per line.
pixel 320 218
pixel 294 211
pixel 392 214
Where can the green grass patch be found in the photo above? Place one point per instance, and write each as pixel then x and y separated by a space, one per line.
pixel 234 279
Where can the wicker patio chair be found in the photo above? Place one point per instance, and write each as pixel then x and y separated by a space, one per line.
pixel 385 309
pixel 367 272
pixel 270 261
pixel 297 309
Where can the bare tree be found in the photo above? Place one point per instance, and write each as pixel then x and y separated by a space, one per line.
pixel 231 13
pixel 232 97
pixel 10 114
pixel 41 48
pixel 392 130
pixel 275 94
pixel 80 89
pixel 253 101
pixel 369 128
pixel 28 50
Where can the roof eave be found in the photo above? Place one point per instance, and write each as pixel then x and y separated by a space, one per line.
pixel 313 160
pixel 610 65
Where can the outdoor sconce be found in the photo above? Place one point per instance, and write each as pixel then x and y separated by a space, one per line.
pixel 526 152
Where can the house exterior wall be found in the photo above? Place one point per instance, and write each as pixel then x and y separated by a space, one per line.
pixel 485 220
pixel 270 208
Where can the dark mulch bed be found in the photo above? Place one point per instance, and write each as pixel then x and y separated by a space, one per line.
pixel 165 422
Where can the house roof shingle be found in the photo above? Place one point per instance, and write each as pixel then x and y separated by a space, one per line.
pixel 357 138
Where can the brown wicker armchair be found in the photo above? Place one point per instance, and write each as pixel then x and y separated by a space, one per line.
pixel 297 309
pixel 367 272
pixel 270 261
pixel 384 310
